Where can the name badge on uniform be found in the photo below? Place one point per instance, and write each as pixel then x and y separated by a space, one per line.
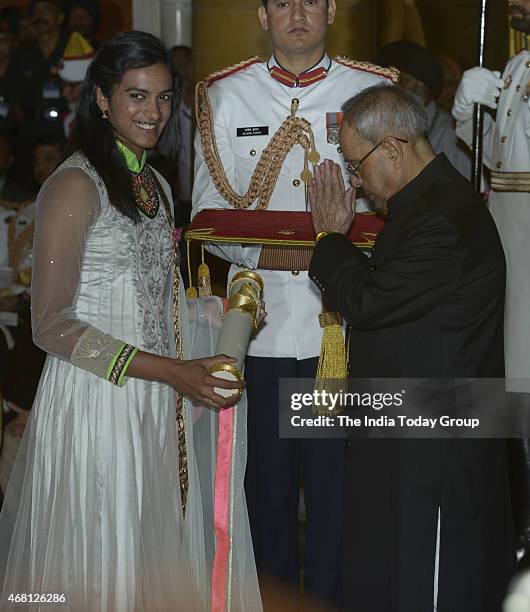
pixel 262 130
pixel 333 121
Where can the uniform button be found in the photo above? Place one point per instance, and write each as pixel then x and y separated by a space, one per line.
pixel 504 139
pixel 347 445
pixel 499 164
pixel 527 64
pixel 296 183
pixel 252 152
pixel 295 273
pixel 339 150
pixel 518 88
pixel 509 113
pixel 373 267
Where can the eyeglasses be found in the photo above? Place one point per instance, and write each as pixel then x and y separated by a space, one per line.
pixel 353 169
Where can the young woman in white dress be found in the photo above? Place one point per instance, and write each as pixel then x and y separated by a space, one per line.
pixel 93 517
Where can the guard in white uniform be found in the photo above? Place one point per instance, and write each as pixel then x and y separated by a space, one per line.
pixel 506 151
pixel 249 103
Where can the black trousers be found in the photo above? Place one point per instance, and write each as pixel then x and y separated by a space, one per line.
pixel 393 491
pixel 272 487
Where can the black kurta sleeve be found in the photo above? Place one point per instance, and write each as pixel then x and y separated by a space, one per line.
pixel 397 285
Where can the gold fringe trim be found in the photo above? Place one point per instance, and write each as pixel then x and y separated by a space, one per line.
pixel 224 72
pixel 390 73
pixel 332 367
pixel 203 281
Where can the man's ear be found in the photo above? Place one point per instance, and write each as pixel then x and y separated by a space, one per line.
pixel 332 8
pixel 101 100
pixel 263 17
pixel 394 150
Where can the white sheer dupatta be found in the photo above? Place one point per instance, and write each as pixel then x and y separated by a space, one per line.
pixel 230 571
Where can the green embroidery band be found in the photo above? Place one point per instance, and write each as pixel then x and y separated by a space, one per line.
pixel 121 380
pixel 121 363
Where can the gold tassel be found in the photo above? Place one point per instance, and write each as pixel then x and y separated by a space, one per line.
pixel 191 292
pixel 205 287
pixel 332 369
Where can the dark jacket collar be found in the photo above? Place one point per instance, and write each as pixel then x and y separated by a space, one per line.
pixel 407 198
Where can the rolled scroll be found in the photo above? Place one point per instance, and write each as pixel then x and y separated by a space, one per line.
pixel 245 305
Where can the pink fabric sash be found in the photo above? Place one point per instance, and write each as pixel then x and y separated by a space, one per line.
pixel 221 509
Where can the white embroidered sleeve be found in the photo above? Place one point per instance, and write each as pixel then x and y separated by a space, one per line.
pixel 67 207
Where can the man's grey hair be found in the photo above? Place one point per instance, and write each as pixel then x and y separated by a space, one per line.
pixel 386 110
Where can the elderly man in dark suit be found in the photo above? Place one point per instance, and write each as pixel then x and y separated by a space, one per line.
pixel 428 304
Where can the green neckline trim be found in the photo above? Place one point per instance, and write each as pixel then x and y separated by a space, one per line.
pixel 130 158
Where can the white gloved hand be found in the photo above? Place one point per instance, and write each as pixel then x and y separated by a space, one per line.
pixel 518 599
pixel 478 86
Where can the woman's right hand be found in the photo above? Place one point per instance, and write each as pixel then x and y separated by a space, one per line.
pixel 189 377
pixel 193 379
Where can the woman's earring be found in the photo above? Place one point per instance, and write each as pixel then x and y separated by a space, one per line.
pixel 104 115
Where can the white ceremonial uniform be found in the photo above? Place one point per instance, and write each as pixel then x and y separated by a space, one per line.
pixel 248 106
pixel 506 148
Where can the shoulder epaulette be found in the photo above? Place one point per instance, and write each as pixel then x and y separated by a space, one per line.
pixel 224 72
pixel 389 73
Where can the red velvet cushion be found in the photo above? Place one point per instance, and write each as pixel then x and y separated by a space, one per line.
pixel 273 227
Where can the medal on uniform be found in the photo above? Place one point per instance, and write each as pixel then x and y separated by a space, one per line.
pixel 333 121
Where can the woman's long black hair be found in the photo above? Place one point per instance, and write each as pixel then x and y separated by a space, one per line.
pixel 94 136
